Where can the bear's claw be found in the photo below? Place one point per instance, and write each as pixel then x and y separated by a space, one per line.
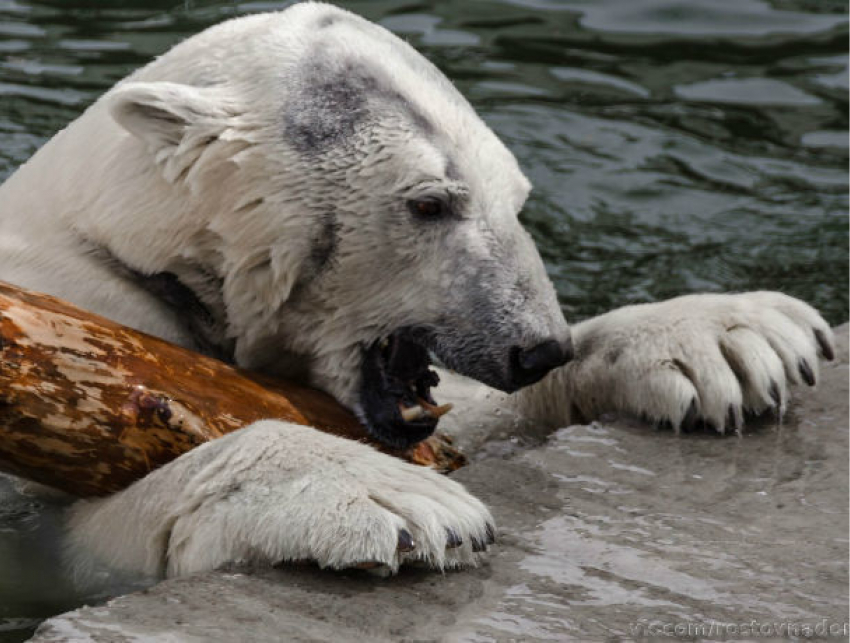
pixel 698 359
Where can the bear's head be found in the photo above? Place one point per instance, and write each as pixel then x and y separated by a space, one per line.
pixel 341 206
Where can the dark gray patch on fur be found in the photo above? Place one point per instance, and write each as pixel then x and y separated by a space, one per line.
pixel 208 330
pixel 328 20
pixel 324 247
pixel 327 112
pixel 336 99
pixel 322 253
pixel 452 172
pixel 613 355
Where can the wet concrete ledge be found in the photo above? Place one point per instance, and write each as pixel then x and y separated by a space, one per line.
pixel 603 530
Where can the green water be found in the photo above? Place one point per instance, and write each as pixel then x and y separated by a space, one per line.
pixel 674 145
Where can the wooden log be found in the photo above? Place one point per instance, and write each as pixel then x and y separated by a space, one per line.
pixel 88 406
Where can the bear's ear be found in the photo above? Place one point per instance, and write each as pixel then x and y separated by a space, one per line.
pixel 174 120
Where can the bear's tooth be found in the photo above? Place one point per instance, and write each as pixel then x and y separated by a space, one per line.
pixel 412 413
pixel 439 411
pixel 435 411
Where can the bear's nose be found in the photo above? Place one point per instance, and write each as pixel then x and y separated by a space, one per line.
pixel 528 365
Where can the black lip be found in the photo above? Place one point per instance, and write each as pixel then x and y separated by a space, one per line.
pixel 387 372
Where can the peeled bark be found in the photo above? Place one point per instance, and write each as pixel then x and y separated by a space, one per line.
pixel 88 406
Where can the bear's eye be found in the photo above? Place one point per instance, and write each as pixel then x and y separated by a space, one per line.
pixel 428 208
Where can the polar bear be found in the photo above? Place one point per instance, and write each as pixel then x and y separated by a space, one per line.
pixel 302 192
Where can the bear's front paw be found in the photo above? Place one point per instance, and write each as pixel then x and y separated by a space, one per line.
pixel 276 492
pixel 698 358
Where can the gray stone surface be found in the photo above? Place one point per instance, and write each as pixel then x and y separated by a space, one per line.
pixel 601 527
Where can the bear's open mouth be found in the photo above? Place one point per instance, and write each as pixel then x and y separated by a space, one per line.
pixel 395 395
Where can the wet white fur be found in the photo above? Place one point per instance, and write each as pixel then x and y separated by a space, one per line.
pixel 763 334
pixel 280 492
pixel 214 185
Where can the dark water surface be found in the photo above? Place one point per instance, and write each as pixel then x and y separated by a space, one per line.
pixel 674 145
